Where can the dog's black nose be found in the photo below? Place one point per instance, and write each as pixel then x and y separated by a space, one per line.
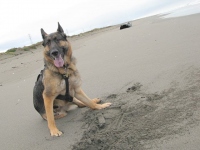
pixel 54 53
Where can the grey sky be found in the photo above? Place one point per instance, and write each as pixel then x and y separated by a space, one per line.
pixel 22 17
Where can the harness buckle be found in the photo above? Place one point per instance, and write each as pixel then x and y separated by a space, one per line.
pixel 66 75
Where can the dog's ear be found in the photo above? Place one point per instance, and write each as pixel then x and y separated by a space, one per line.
pixel 60 29
pixel 43 33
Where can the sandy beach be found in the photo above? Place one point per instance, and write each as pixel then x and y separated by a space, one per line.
pixel 150 72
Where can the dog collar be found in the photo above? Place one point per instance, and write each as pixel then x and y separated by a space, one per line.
pixel 65 75
pixel 65 66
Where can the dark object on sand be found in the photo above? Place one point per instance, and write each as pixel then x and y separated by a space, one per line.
pixel 126 25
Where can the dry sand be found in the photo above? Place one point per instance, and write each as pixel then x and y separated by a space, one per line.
pixel 150 72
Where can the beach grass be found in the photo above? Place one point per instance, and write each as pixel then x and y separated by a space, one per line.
pixel 11 50
pixel 25 48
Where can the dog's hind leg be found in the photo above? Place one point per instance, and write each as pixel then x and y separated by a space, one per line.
pixel 60 114
pixel 57 114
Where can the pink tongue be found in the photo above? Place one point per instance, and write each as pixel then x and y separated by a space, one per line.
pixel 59 62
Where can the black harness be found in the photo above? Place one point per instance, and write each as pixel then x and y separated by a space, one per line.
pixel 65 97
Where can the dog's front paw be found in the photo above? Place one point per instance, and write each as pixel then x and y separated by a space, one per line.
pixel 55 132
pixel 101 106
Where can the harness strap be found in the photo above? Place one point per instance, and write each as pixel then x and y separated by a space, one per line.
pixel 65 97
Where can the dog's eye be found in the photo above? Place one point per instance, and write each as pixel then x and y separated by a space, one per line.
pixel 48 42
pixel 56 40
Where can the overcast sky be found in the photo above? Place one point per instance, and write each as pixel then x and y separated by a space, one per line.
pixel 22 17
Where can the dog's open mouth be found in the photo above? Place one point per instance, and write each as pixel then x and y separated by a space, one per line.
pixel 58 61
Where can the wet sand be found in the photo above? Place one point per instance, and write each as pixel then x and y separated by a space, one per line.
pixel 150 72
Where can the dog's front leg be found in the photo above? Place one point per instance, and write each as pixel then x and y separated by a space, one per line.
pixel 80 95
pixel 48 102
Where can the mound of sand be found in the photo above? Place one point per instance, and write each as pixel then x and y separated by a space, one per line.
pixel 136 120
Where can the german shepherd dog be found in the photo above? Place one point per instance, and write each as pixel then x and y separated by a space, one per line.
pixel 59 77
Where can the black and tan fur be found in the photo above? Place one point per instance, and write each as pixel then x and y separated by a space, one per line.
pixel 51 83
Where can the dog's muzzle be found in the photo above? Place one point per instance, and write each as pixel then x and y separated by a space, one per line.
pixel 54 53
pixel 58 60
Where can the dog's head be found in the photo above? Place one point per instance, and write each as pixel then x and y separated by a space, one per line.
pixel 57 49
